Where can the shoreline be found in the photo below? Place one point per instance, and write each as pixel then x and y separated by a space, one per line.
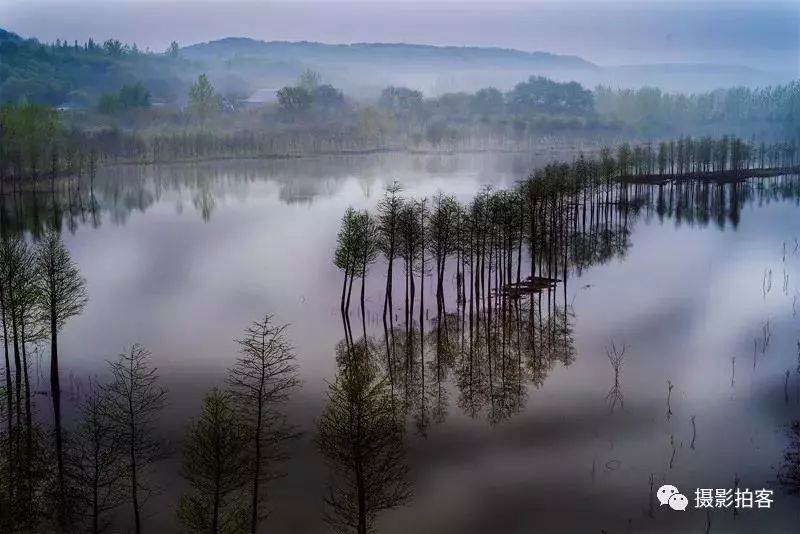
pixel 354 152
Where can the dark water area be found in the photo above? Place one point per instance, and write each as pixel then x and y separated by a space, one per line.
pixel 697 283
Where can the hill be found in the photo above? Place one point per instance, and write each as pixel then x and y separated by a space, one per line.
pixel 78 74
pixel 363 68
pixel 402 53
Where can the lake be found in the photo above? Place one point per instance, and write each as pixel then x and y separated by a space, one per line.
pixel 698 284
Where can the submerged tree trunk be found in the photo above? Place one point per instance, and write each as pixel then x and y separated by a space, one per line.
pixel 257 467
pixel 344 284
pixel 134 481
pixel 55 391
pixel 14 307
pixel 363 311
pixel 9 388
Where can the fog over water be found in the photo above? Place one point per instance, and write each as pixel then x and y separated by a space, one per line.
pixel 200 250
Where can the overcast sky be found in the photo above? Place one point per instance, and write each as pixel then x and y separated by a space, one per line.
pixel 761 33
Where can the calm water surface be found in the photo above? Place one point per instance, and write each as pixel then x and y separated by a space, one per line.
pixel 182 258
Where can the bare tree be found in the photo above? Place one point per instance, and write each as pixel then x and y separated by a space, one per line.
pixel 17 268
pixel 62 293
pixel 216 465
pixel 29 329
pixel 263 378
pixel 135 399
pixel 96 457
pixel 9 277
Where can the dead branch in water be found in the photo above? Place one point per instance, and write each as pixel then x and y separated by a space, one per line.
pixel 615 396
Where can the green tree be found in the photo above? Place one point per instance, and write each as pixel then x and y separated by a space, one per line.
pixel 368 124
pixel 27 132
pixel 309 80
pixel 488 101
pixel 129 96
pixel 216 465
pixel 134 96
pixel 401 102
pixel 173 50
pixel 328 97
pixel 107 103
pixel 356 249
pixel 541 95
pixel 294 100
pixel 113 47
pixel 202 98
pixel 362 442
pixel 624 158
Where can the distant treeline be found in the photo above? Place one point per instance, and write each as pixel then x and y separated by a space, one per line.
pixel 79 73
pixel 35 144
pixel 489 118
pixel 652 110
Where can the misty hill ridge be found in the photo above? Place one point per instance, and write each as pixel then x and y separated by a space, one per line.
pixel 231 47
pixel 6 35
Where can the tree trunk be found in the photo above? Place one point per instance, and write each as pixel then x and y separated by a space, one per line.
pixel 217 482
pixel 257 467
pixel 363 311
pixel 55 391
pixel 344 289
pixel 9 388
pixel 17 362
pixel 95 483
pixel 134 483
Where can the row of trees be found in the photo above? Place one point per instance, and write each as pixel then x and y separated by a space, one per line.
pixel 546 213
pixel 498 266
pixel 703 155
pixel 494 334
pixel 34 144
pixel 648 109
pixel 66 477
pixel 40 289
pixel 543 105
pixel 651 108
